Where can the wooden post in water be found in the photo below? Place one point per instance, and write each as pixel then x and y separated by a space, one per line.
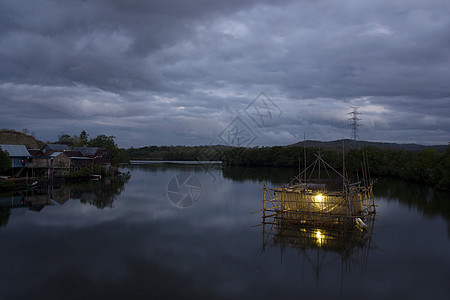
pixel 264 201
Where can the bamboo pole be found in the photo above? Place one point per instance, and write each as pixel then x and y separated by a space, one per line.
pixel 343 164
pixel 264 201
pixel 304 153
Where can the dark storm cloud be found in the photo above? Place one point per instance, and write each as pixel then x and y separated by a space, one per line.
pixel 106 44
pixel 159 71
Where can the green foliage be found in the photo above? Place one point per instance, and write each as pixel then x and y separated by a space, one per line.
pixel 76 140
pixel 181 153
pixel 64 138
pixel 6 185
pixel 5 162
pixel 80 173
pixel 100 170
pixel 116 154
pixel 279 156
pixel 427 166
pixel 119 156
pixel 443 171
pixel 103 141
pixel 83 139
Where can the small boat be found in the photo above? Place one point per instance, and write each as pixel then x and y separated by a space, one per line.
pixel 96 177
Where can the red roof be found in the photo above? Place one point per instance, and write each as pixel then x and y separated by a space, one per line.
pixel 73 153
pixel 36 153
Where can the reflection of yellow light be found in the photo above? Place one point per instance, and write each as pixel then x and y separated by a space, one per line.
pixel 319 238
pixel 318 198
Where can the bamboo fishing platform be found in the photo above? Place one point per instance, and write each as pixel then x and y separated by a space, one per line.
pixel 321 215
pixel 319 201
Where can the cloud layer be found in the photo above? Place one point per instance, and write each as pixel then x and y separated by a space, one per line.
pixel 178 72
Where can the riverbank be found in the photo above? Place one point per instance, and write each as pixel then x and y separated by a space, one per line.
pixel 84 174
pixel 17 184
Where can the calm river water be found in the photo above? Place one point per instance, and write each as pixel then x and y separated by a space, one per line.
pixel 186 231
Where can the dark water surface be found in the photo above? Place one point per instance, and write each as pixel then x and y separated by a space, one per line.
pixel 129 240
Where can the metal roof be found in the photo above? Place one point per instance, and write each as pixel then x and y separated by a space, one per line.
pixel 16 150
pixel 55 154
pixel 56 147
pixel 87 150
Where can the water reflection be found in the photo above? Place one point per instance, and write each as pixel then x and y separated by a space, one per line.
pixel 422 197
pixel 5 213
pixel 100 194
pixel 258 174
pixel 34 200
pixel 322 241
pixel 147 248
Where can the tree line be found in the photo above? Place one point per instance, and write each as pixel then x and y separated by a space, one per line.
pixel 181 153
pixel 428 166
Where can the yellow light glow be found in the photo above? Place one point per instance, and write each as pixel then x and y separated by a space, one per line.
pixel 318 198
pixel 319 238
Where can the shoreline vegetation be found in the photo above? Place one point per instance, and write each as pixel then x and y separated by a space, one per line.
pixel 429 165
pixel 411 162
pixel 73 177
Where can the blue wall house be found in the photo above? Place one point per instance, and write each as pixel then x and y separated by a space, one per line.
pixel 19 156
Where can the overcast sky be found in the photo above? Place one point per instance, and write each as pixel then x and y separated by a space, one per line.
pixel 196 72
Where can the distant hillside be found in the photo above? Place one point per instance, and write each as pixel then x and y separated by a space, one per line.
pixel 12 137
pixel 338 145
